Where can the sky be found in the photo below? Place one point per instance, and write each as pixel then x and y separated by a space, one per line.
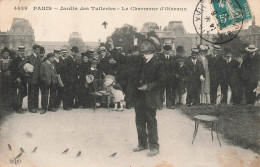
pixel 56 25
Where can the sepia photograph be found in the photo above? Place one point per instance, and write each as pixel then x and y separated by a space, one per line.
pixel 128 83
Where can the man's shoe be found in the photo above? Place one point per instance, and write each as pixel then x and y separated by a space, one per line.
pixel 33 111
pixel 138 149
pixel 43 112
pixel 52 110
pixel 20 111
pixel 152 153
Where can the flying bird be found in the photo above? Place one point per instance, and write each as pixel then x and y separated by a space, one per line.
pixel 34 150
pixel 64 152
pixel 105 24
pixel 21 149
pixel 113 155
pixel 9 147
pixel 79 153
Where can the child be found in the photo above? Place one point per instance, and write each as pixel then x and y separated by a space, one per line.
pixel 116 92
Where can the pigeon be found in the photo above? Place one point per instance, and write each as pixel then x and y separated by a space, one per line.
pixel 34 150
pixel 64 152
pixel 9 146
pixel 18 156
pixel 79 153
pixel 21 149
pixel 113 155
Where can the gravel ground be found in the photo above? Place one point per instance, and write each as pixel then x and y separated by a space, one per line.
pixel 101 134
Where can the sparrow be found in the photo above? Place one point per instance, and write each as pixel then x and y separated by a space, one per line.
pixel 34 150
pixel 113 155
pixel 79 153
pixel 19 155
pixel 64 152
pixel 21 149
pixel 9 146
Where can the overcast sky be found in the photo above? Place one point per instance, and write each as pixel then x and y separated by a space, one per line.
pixel 56 25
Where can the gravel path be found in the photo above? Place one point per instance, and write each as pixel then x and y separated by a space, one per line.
pixel 101 134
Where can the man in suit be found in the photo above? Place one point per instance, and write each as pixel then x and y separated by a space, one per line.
pixel 169 74
pixel 32 78
pixel 250 73
pixel 49 79
pixel 149 79
pixel 18 81
pixel 215 64
pixel 231 77
pixel 70 78
pixel 196 68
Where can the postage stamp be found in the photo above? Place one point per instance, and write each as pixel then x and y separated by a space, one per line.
pixel 212 17
pixel 231 12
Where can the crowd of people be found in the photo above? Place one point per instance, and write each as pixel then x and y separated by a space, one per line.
pixel 141 77
pixel 70 78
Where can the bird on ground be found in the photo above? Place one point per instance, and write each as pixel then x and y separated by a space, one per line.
pixel 79 153
pixel 34 150
pixel 64 152
pixel 113 155
pixel 9 147
pixel 21 149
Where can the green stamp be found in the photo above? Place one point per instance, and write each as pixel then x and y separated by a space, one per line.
pixel 231 12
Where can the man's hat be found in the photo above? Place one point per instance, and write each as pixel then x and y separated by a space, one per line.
pixel 155 42
pixel 22 48
pixel 194 51
pixel 251 48
pixel 56 51
pixel 42 50
pixel 84 54
pixel 36 46
pixel 217 47
pixel 64 51
pixel 5 50
pixel 227 50
pixel 49 55
pixel 167 48
pixel 102 49
pixel 180 49
pixel 90 52
pixel 75 49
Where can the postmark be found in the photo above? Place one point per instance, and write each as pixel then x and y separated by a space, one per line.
pixel 220 21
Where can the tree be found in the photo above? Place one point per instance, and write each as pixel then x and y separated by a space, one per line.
pixel 124 37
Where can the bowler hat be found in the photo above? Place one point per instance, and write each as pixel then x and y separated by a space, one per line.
pixel 36 46
pixel 5 50
pixel 180 49
pixel 167 48
pixel 75 49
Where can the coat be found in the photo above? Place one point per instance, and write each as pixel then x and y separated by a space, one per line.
pixel 169 68
pixel 230 72
pixel 15 73
pixel 151 74
pixel 215 65
pixel 206 83
pixel 196 70
pixel 36 62
pixel 184 75
pixel 48 73
pixel 70 71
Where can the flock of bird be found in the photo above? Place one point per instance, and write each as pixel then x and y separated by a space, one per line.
pixel 35 149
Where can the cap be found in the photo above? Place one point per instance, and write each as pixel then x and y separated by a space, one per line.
pixel 21 47
pixel 155 42
pixel 64 51
pixel 49 55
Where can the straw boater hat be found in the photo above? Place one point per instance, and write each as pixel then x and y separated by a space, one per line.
pixel 251 48
pixel 216 47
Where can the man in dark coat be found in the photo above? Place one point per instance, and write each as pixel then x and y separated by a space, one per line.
pixel 196 68
pixel 215 64
pixel 70 79
pixel 19 87
pixel 33 78
pixel 231 78
pixel 250 73
pixel 49 79
pixel 149 80
pixel 169 74
pixel 59 62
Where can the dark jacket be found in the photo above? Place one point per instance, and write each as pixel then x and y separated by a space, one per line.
pixel 48 73
pixel 181 81
pixel 36 62
pixel 15 73
pixel 169 68
pixel 215 65
pixel 230 71
pixel 196 70
pixel 70 71
pixel 151 74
